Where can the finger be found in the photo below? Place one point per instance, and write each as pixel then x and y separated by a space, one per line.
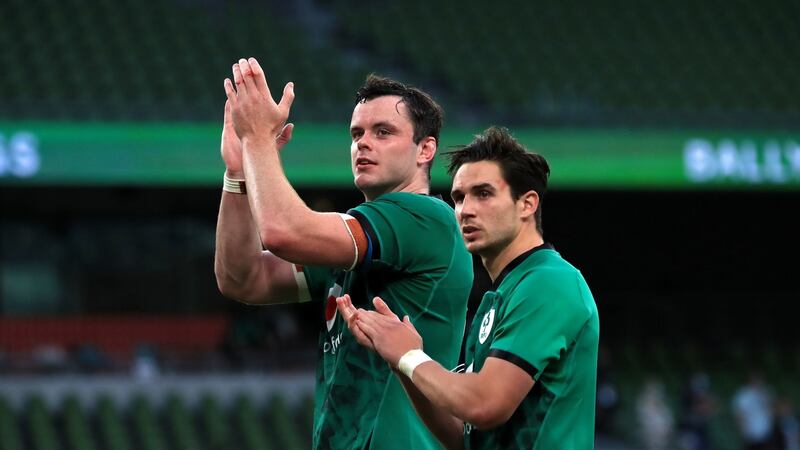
pixel 407 321
pixel 383 308
pixel 349 303
pixel 287 99
pixel 370 317
pixel 259 77
pixel 342 309
pixel 345 307
pixel 231 94
pixel 361 338
pixel 286 134
pixel 366 327
pixel 238 78
pixel 247 75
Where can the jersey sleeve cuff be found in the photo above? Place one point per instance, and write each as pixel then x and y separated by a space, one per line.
pixel 303 293
pixel 373 247
pixel 516 360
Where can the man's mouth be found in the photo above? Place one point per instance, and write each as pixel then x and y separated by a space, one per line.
pixel 469 230
pixel 364 162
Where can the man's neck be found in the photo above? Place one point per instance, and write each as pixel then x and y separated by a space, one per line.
pixel 495 264
pixel 414 187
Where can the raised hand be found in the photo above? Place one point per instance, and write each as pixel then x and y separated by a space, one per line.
pixel 231 147
pixel 255 114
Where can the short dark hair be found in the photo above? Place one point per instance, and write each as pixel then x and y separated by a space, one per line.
pixel 426 115
pixel 523 171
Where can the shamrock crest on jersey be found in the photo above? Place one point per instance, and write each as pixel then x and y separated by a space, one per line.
pixel 486 326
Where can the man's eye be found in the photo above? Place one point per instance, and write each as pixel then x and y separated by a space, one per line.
pixel 484 194
pixel 383 132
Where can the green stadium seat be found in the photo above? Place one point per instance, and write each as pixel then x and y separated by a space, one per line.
pixel 76 425
pixel 214 424
pixel 146 425
pixel 10 437
pixel 41 425
pixel 111 425
pixel 282 425
pixel 249 425
pixel 180 422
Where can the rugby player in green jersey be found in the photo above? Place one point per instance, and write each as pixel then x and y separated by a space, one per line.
pixel 400 244
pixel 531 353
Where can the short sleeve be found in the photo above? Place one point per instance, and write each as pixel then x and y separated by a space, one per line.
pixel 405 231
pixel 540 321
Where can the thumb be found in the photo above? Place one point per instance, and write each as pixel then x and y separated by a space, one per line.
pixel 288 97
pixel 226 117
pixel 286 135
pixel 406 320
pixel 287 131
pixel 382 307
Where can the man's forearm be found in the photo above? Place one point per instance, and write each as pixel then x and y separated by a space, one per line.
pixel 460 394
pixel 447 428
pixel 238 247
pixel 277 209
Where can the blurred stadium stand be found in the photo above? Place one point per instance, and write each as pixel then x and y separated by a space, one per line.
pixel 620 62
pixel 687 282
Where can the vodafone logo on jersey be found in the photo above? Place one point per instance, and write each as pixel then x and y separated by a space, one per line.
pixel 330 306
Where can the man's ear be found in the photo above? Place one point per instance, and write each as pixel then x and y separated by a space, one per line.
pixel 528 203
pixel 427 150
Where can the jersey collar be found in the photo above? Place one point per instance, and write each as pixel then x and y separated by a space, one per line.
pixel 517 261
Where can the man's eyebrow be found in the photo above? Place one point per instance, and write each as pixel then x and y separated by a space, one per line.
pixel 383 124
pixel 478 187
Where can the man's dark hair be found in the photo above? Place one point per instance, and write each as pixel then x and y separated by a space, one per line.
pixel 522 170
pixel 426 115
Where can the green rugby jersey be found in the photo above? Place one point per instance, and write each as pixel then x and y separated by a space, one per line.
pixel 418 264
pixel 540 316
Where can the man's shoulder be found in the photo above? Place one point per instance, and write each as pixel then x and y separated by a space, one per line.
pixel 416 205
pixel 545 266
pixel 409 198
pixel 546 275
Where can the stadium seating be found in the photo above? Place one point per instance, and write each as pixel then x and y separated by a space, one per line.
pixel 269 424
pixel 159 60
pixel 568 62
pixel 111 427
pixel 10 437
pixel 623 62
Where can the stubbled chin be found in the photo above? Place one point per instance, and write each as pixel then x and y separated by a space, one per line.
pixel 473 247
pixel 364 182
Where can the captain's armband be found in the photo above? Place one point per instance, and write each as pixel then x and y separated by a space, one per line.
pixel 359 237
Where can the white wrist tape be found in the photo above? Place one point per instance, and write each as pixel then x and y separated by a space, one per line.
pixel 233 185
pixel 411 360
